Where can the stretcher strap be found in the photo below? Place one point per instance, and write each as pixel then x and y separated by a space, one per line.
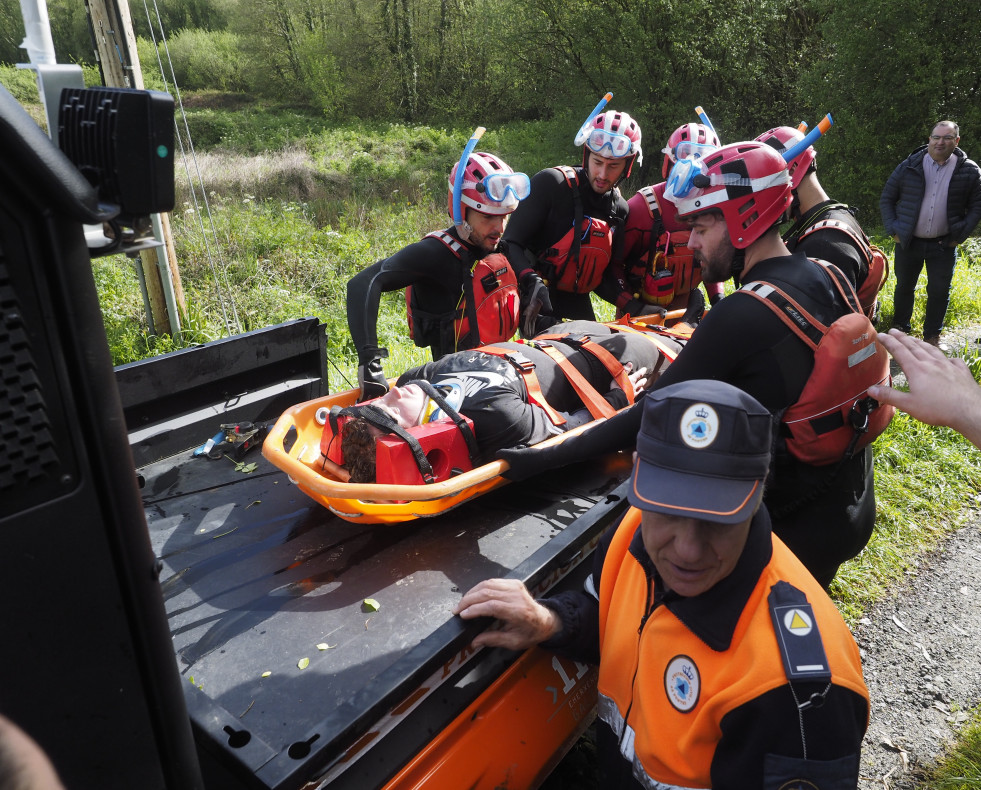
pixel 526 368
pixel 598 406
pixel 669 353
pixel 613 365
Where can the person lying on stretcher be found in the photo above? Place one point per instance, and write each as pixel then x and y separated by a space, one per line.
pixel 508 394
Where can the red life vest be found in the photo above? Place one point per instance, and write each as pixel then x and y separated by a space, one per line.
pixel 834 416
pixel 577 261
pixel 667 272
pixel 487 310
pixel 875 258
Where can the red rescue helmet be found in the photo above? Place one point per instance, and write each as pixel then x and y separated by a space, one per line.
pixel 783 138
pixel 697 133
pixel 489 185
pixel 615 135
pixel 748 182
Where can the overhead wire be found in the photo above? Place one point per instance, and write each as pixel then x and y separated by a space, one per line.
pixel 189 161
pixel 213 251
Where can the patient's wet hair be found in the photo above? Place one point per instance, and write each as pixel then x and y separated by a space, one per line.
pixel 358 449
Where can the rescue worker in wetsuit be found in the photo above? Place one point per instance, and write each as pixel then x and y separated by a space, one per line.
pixel 493 391
pixel 722 662
pixel 438 270
pixel 654 261
pixel 817 219
pixel 825 514
pixel 568 227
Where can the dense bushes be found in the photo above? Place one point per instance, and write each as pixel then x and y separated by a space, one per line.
pixel 206 60
pixel 874 66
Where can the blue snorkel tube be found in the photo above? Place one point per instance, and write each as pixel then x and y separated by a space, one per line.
pixel 458 181
pixel 705 119
pixel 583 132
pixel 792 153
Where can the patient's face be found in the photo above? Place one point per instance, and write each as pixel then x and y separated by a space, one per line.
pixel 404 404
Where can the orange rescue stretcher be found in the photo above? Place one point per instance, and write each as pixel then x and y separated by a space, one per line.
pixel 296 445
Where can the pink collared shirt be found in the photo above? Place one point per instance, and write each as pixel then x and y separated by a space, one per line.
pixel 932 221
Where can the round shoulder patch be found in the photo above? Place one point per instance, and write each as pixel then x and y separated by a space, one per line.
pixel 797 622
pixel 682 683
pixel 699 425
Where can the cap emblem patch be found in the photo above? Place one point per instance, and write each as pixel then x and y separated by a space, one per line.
pixel 699 426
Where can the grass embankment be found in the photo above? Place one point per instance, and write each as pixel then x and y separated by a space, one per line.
pixel 268 234
pixel 283 211
pixel 925 477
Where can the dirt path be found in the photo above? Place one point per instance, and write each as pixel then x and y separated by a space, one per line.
pixel 920 655
pixel 921 650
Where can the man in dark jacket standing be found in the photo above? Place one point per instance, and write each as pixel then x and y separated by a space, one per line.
pixel 930 204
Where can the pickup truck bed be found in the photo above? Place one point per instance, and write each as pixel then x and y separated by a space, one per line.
pixel 256 575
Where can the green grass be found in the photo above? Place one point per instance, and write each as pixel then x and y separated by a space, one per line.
pixel 960 767
pixel 277 210
pixel 924 476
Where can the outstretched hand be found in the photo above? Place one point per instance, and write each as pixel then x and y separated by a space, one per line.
pixel 639 378
pixel 523 621
pixel 942 391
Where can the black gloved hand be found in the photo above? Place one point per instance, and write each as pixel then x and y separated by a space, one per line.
pixel 527 462
pixel 534 301
pixel 371 376
pixel 696 308
pixel 636 308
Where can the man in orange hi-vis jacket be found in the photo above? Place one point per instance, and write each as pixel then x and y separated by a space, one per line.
pixel 722 662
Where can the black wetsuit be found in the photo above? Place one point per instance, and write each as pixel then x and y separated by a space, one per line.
pixel 437 277
pixel 545 216
pixel 829 244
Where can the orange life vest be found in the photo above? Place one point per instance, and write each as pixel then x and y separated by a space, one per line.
pixel 657 677
pixel 875 259
pixel 834 416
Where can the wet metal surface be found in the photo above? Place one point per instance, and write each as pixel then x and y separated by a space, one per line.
pixel 256 576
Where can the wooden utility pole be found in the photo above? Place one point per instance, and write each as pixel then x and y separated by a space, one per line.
pixel 112 27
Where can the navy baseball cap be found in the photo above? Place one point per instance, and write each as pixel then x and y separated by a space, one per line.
pixel 703 452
